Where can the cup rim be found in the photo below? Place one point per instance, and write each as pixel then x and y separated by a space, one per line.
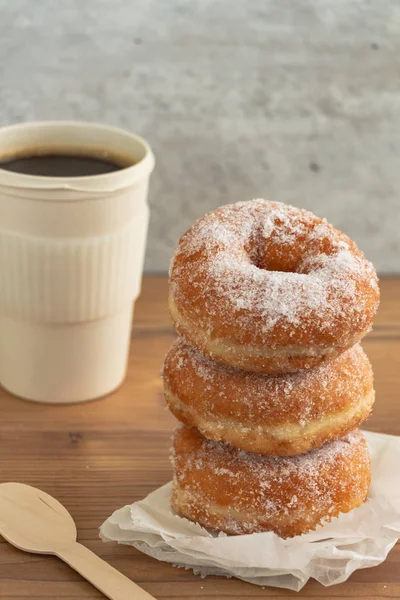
pixel 105 182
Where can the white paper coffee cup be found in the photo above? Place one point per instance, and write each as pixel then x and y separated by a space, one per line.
pixel 71 262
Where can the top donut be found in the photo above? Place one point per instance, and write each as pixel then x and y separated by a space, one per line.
pixel 270 288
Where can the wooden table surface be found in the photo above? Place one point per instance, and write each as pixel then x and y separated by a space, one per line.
pixel 98 456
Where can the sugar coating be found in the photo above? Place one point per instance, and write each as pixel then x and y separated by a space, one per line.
pixel 218 390
pixel 254 492
pixel 267 273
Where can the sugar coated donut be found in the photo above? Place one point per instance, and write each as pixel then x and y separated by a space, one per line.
pixel 238 492
pixel 284 414
pixel 267 287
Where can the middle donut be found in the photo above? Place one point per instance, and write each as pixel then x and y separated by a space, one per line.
pixel 283 415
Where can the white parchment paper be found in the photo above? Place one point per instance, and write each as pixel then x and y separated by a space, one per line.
pixel 356 540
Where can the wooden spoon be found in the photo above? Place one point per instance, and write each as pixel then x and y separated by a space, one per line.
pixel 33 521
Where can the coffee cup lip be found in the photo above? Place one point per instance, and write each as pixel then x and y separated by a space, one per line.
pixel 99 184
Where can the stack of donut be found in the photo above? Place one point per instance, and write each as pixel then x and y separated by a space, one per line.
pixel 267 375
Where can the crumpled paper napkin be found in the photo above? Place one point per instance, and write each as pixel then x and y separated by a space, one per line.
pixel 356 540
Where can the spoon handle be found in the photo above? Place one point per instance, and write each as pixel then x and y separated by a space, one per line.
pixel 103 576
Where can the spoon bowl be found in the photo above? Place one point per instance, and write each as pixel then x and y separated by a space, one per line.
pixel 33 521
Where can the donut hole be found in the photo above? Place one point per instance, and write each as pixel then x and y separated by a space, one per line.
pixel 275 245
pixel 271 263
pixel 287 251
pixel 285 258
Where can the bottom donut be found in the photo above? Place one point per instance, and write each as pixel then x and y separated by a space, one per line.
pixel 226 489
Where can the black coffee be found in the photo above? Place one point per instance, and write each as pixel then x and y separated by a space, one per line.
pixel 61 165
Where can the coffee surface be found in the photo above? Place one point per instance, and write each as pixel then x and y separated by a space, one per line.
pixel 60 165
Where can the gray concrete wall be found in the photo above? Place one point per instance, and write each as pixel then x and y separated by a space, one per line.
pixel 297 101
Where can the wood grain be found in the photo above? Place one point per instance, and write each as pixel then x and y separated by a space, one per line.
pixel 98 456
